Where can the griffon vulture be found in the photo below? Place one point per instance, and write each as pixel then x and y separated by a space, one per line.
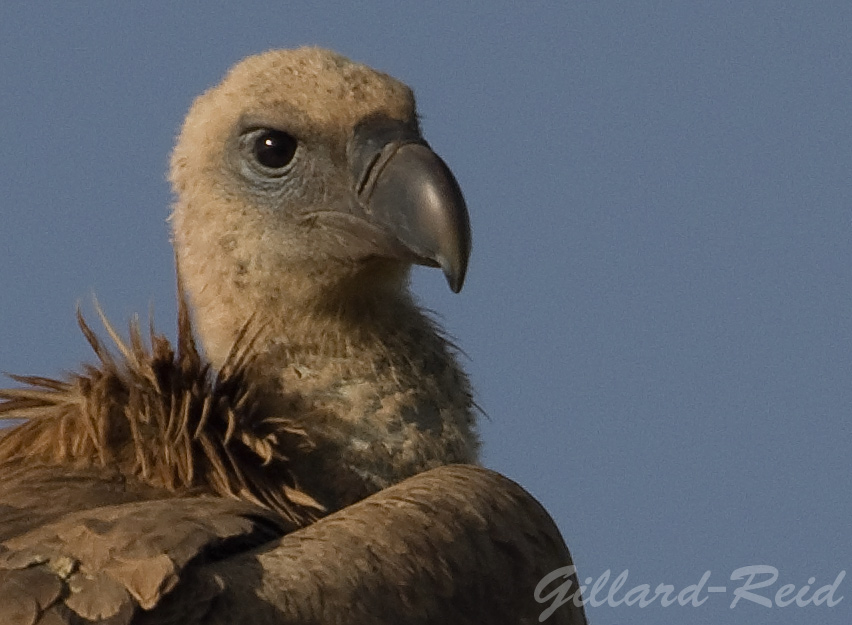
pixel 317 463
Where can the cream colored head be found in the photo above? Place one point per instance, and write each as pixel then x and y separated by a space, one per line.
pixel 251 238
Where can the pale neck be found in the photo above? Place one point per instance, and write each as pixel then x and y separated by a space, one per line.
pixel 310 331
pixel 377 385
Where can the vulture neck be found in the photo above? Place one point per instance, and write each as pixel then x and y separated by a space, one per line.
pixel 363 369
pixel 311 320
pixel 349 334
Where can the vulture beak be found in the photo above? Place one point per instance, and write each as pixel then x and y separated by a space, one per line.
pixel 408 193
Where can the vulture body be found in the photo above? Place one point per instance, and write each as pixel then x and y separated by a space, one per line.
pixel 316 464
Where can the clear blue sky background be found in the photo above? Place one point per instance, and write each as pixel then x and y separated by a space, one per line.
pixel 658 313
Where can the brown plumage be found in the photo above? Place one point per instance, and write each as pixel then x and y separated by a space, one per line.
pixel 295 473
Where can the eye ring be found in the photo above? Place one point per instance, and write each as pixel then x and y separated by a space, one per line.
pixel 271 150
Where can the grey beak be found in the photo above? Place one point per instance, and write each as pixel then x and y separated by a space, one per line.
pixel 405 189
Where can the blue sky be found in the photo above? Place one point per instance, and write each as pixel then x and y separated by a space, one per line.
pixel 657 312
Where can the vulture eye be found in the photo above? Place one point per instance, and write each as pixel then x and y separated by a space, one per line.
pixel 274 149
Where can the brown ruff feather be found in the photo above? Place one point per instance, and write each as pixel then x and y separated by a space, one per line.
pixel 162 417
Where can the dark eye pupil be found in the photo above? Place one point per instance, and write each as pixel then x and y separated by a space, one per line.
pixel 274 148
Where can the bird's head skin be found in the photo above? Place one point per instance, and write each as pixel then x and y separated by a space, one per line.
pixel 303 178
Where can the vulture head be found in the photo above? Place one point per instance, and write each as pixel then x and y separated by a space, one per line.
pixel 304 193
